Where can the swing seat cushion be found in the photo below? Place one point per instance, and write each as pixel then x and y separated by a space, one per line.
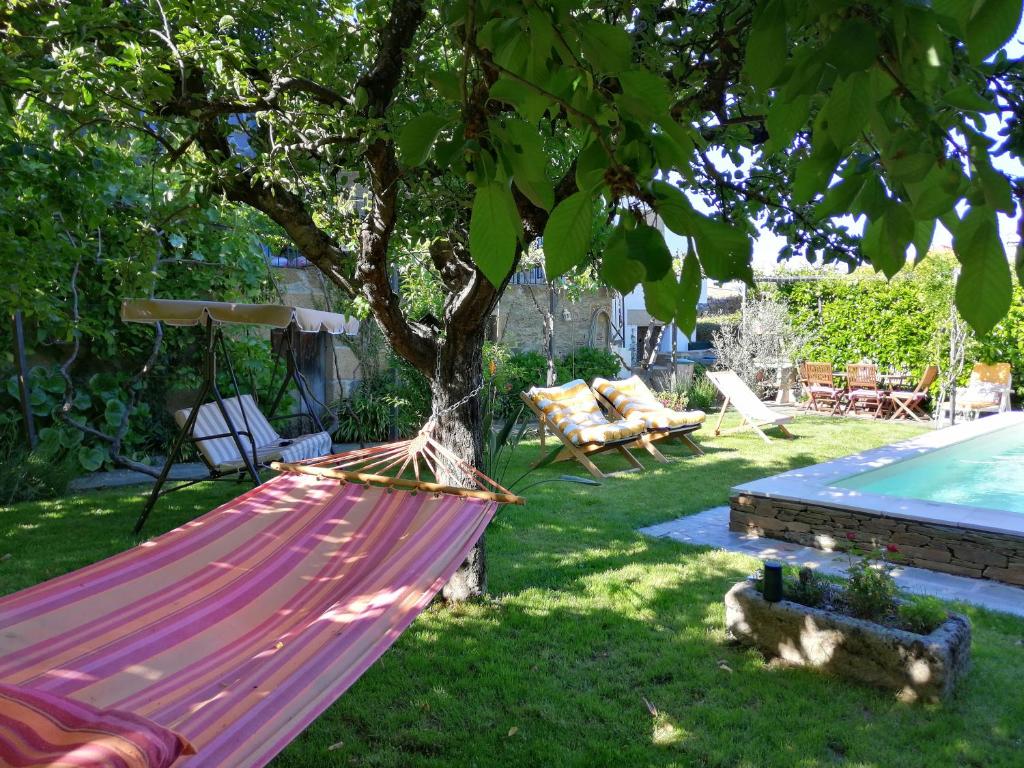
pixel 634 400
pixel 44 729
pixel 222 454
pixel 573 410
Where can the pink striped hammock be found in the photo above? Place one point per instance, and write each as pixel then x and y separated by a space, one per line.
pixel 238 629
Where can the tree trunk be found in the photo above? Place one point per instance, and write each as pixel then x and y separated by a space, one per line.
pixel 460 373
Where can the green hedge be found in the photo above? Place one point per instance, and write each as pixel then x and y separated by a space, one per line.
pixel 902 323
pixel 516 372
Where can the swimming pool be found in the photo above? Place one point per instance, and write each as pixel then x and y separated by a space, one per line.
pixel 951 500
pixel 985 471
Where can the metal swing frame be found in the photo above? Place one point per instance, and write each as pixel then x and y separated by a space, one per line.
pixel 214 343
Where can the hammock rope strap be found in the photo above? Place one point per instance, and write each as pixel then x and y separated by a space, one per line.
pixel 388 465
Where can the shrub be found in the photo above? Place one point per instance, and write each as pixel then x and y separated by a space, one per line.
pixel 702 394
pixel 922 614
pixel 588 363
pixel 870 588
pixel 42 473
pixel 677 400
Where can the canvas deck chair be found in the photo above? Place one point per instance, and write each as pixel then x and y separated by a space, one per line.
pixel 631 399
pixel 572 413
pixel 756 415
pixel 909 404
pixel 987 391
pixel 212 435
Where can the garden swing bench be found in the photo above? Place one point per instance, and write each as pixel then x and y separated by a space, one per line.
pixel 231 434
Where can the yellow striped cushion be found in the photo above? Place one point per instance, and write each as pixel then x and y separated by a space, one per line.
pixel 634 400
pixel 575 412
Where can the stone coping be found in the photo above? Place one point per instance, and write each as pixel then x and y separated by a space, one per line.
pixel 814 484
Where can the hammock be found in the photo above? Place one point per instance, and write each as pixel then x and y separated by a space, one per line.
pixel 238 629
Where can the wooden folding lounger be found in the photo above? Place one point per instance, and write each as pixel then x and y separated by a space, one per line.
pixel 631 399
pixel 573 414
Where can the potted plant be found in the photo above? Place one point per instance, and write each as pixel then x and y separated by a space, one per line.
pixel 859 628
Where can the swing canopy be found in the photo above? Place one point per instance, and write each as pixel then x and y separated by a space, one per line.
pixel 185 312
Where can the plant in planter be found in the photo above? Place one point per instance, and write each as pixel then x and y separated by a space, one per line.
pixel 858 628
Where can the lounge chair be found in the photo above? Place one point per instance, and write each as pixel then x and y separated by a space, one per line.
pixel 573 414
pixel 909 404
pixel 987 391
pixel 862 393
pixel 631 399
pixel 212 435
pixel 819 383
pixel 756 415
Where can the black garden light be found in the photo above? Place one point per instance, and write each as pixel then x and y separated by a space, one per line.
pixel 772 581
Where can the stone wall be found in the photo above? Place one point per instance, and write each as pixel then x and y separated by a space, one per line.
pixel 583 323
pixel 963 552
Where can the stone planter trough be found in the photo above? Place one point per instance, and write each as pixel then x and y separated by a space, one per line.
pixel 918 667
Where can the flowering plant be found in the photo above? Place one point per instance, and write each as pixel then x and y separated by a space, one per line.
pixel 871 590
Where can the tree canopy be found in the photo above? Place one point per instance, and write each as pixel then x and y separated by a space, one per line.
pixel 453 136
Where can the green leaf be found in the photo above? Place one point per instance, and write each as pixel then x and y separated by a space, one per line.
pixel 766 45
pixel 968 99
pixel 689 293
pixel 839 198
pixel 848 108
pixel 814 173
pixel 872 198
pixel 937 192
pixel 784 119
pixel 1018 262
pixel 660 297
pixel 567 234
pixel 447 84
pixel 984 289
pixel 91 457
pixel 591 165
pixel 674 209
pixel 990 26
pixel 924 233
pixel 617 269
pixel 725 251
pixel 528 160
pixel 645 94
pixel 887 238
pixel 418 136
pixel 853 47
pixel 646 245
pixel 608 48
pixel 114 412
pixel 995 186
pixel 528 103
pixel 493 230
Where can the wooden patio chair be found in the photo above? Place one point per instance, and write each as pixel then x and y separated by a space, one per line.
pixel 572 413
pixel 862 391
pixel 631 399
pixel 756 415
pixel 819 383
pixel 909 404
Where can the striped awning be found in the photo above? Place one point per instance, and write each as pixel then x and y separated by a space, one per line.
pixel 239 628
pixel 181 312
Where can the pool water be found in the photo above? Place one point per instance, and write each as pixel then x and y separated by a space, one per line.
pixel 986 471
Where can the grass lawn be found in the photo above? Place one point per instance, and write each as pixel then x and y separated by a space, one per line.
pixel 598 646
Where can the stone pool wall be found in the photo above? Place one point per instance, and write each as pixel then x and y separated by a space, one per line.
pixel 959 551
